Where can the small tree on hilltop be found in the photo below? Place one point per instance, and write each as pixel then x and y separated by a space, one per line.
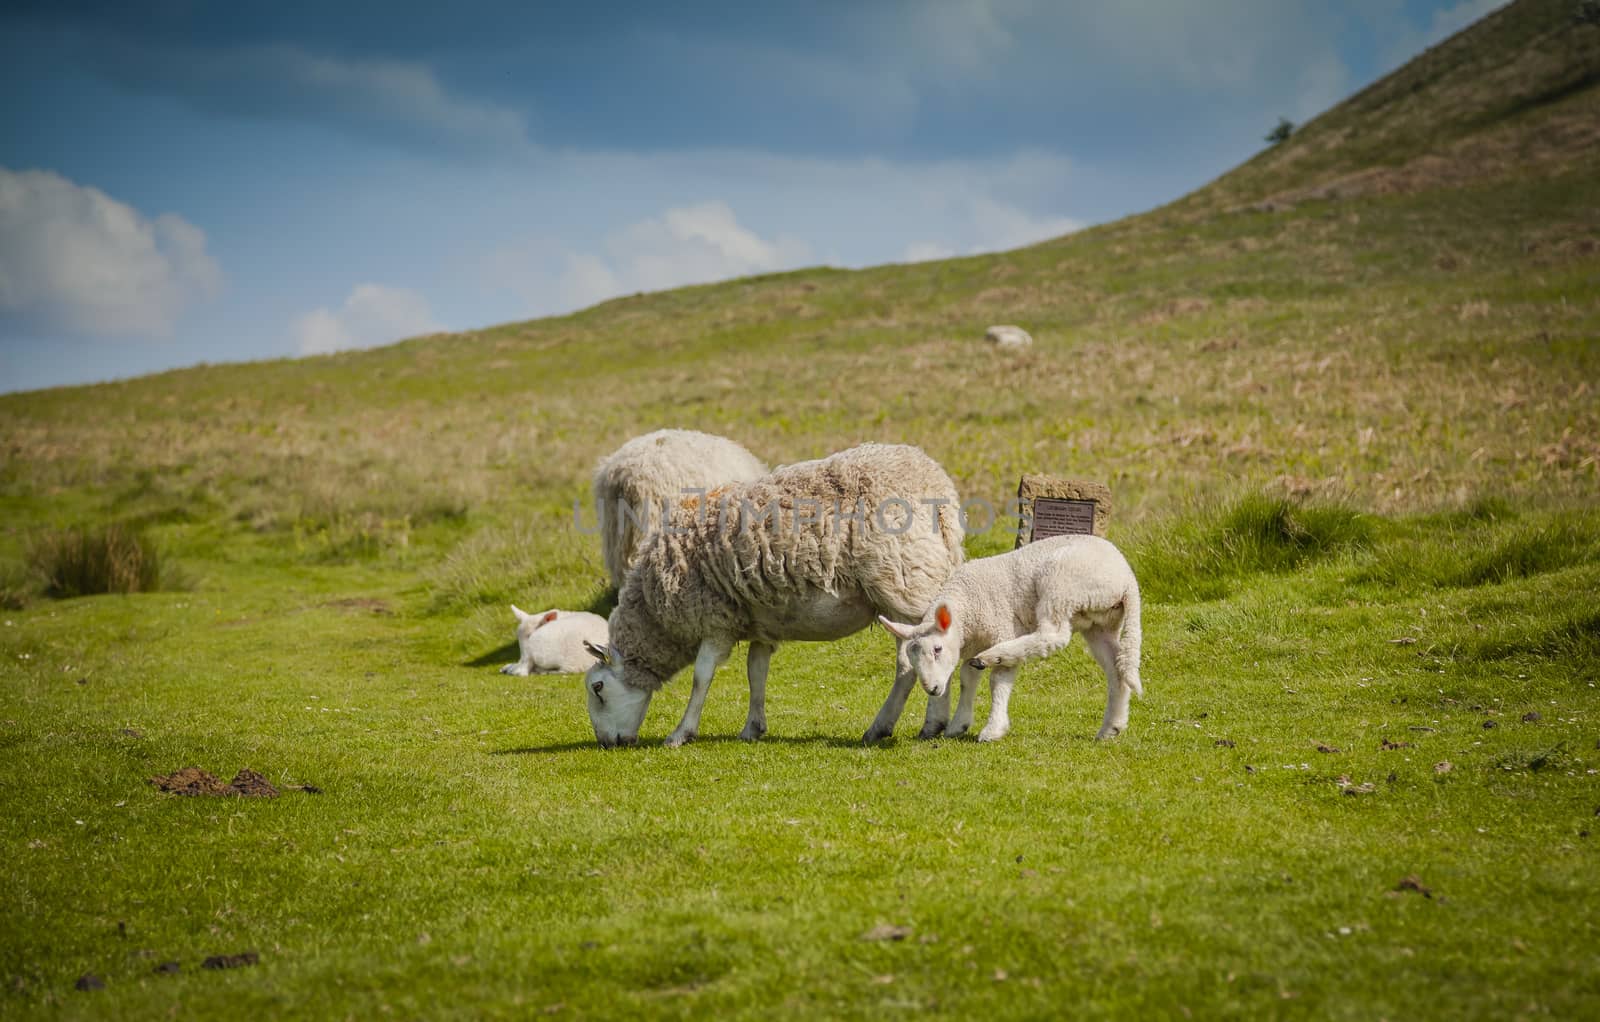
pixel 1282 132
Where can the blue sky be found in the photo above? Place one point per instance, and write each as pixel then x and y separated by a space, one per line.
pixel 184 181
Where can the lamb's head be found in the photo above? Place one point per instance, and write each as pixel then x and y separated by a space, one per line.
pixel 932 649
pixel 616 709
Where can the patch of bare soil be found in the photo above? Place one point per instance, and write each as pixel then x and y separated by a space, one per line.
pixel 231 961
pixel 192 781
pixel 369 604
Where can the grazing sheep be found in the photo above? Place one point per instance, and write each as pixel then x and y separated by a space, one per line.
pixel 639 480
pixel 1024 605
pixel 1012 338
pixel 810 552
pixel 553 642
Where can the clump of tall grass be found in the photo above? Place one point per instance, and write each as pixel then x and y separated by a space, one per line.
pixel 1199 555
pixel 543 561
pixel 95 559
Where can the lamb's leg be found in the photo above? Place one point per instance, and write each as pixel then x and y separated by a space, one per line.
pixel 1024 647
pixel 1103 644
pixel 713 653
pixel 1000 681
pixel 971 678
pixel 889 716
pixel 521 669
pixel 757 662
pixel 938 715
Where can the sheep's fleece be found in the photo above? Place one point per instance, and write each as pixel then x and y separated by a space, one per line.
pixel 722 571
pixel 652 471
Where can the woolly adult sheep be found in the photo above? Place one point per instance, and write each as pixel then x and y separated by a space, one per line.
pixel 997 612
pixel 649 473
pixel 810 552
pixel 554 641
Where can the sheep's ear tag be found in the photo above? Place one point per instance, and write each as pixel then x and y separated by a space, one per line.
pixel 549 617
pixel 596 652
pixel 942 616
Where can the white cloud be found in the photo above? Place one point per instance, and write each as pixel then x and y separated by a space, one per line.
pixel 926 251
pixel 372 315
pixel 693 244
pixel 73 258
pixel 391 100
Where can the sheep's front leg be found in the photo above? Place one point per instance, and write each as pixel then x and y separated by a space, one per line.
pixel 1025 647
pixel 999 725
pixel 713 653
pixel 889 716
pixel 933 724
pixel 971 678
pixel 759 659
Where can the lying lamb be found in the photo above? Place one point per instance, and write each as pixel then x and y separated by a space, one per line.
pixel 554 642
pixel 1025 605
pixel 635 482
pixel 810 552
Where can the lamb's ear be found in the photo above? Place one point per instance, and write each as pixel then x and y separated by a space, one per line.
pixel 899 631
pixel 522 615
pixel 941 617
pixel 549 617
pixel 596 652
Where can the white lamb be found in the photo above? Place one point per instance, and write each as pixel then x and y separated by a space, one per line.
pixel 553 642
pixel 648 473
pixel 997 612
pixel 810 552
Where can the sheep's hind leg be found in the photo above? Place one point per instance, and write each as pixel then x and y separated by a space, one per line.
pixel 971 678
pixel 883 724
pixel 999 724
pixel 1103 644
pixel 1013 652
pixel 712 655
pixel 757 662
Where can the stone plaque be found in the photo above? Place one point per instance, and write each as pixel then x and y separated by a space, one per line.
pixel 1059 507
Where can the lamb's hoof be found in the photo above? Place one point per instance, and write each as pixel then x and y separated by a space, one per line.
pixel 677 741
pixel 752 732
pixel 978 662
pixel 991 736
pixel 516 669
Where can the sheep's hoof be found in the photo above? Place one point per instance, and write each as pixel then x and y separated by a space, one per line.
pixel 873 735
pixel 956 732
pixel 1108 733
pixel 752 732
pixel 991 736
pixel 677 741
pixel 931 731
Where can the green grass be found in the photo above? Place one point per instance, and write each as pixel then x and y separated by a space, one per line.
pixel 473 854
pixel 1354 445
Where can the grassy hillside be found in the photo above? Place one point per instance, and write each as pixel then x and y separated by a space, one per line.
pixel 1346 399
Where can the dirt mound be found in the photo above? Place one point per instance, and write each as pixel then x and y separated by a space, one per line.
pixel 194 781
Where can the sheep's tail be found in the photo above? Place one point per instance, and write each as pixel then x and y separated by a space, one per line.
pixel 1128 642
pixel 617 532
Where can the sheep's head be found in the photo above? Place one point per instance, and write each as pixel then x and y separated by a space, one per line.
pixel 932 649
pixel 616 709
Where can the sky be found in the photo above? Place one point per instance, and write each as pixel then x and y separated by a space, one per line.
pixel 186 182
